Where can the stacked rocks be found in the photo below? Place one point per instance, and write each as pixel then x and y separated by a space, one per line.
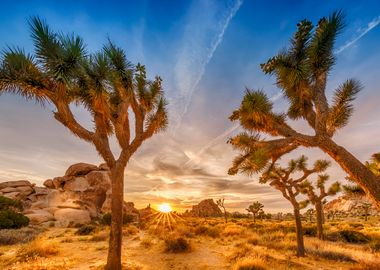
pixel 18 190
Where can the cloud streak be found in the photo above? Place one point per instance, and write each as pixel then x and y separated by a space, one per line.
pixel 203 34
pixel 371 25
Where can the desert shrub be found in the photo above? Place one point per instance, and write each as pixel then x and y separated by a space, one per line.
pixel 354 237
pixel 7 203
pixel 177 244
pixel 13 236
pixel 253 240
pixel 348 236
pixel 255 226
pixel 37 248
pixel 106 219
pixel 356 225
pixel 250 264
pixel 375 246
pixel 330 255
pixel 233 230
pixel 146 242
pixel 310 230
pixel 85 230
pixel 130 230
pixel 207 230
pixel 9 219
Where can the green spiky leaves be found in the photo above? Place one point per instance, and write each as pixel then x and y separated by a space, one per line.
pixel 342 107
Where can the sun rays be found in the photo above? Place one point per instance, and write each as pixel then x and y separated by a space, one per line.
pixel 162 218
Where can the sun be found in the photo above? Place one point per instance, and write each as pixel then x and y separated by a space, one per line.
pixel 165 208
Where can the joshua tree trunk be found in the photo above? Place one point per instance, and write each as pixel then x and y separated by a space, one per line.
pixel 115 242
pixel 254 217
pixel 225 215
pixel 299 232
pixel 356 170
pixel 319 210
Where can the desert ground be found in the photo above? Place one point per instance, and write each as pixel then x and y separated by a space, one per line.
pixel 197 243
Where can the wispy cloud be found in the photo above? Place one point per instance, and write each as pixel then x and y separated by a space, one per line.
pixel 375 22
pixel 204 31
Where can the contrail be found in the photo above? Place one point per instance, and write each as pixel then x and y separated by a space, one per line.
pixel 188 87
pixel 224 134
pixel 375 22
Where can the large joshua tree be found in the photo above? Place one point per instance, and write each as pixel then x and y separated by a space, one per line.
pixel 317 199
pixel 220 203
pixel 288 181
pixel 301 72
pixel 114 92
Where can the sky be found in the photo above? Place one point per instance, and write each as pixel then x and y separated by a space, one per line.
pixel 207 52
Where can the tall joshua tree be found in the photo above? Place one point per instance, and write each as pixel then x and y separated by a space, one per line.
pixel 301 72
pixel 317 199
pixel 285 180
pixel 62 73
pixel 255 208
pixel 220 203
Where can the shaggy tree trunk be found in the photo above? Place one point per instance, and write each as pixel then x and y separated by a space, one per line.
pixel 254 217
pixel 116 233
pixel 225 215
pixel 299 232
pixel 319 210
pixel 369 182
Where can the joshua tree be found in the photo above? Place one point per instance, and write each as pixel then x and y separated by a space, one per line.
pixel 281 179
pixel 220 203
pixel 365 209
pixel 301 72
pixel 255 208
pixel 374 164
pixel 62 73
pixel 317 199
pixel 310 213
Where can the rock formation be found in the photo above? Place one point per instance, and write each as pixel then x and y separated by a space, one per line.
pixel 83 193
pixel 351 205
pixel 206 208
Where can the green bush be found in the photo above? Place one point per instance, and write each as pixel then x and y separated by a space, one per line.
pixel 106 219
pixel 9 219
pixel 6 203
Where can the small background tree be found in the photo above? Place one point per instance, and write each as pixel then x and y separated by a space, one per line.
pixel 10 214
pixel 220 203
pixel 310 213
pixel 318 199
pixel 255 208
pixel 290 187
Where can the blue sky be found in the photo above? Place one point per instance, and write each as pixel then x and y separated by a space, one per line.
pixel 207 52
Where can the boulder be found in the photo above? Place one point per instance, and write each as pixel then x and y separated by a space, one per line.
pixel 351 205
pixel 41 191
pixel 39 216
pixel 15 184
pixel 58 182
pixel 65 217
pixel 49 183
pixel 12 195
pixel 80 169
pixel 26 190
pixel 76 184
pixel 9 189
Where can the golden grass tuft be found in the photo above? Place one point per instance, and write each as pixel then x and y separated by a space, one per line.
pixel 251 263
pixel 37 248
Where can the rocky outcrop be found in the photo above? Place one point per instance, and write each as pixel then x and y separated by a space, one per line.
pixel 74 198
pixel 206 208
pixel 350 205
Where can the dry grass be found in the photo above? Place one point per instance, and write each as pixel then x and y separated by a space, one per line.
pixel 251 263
pixel 37 248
